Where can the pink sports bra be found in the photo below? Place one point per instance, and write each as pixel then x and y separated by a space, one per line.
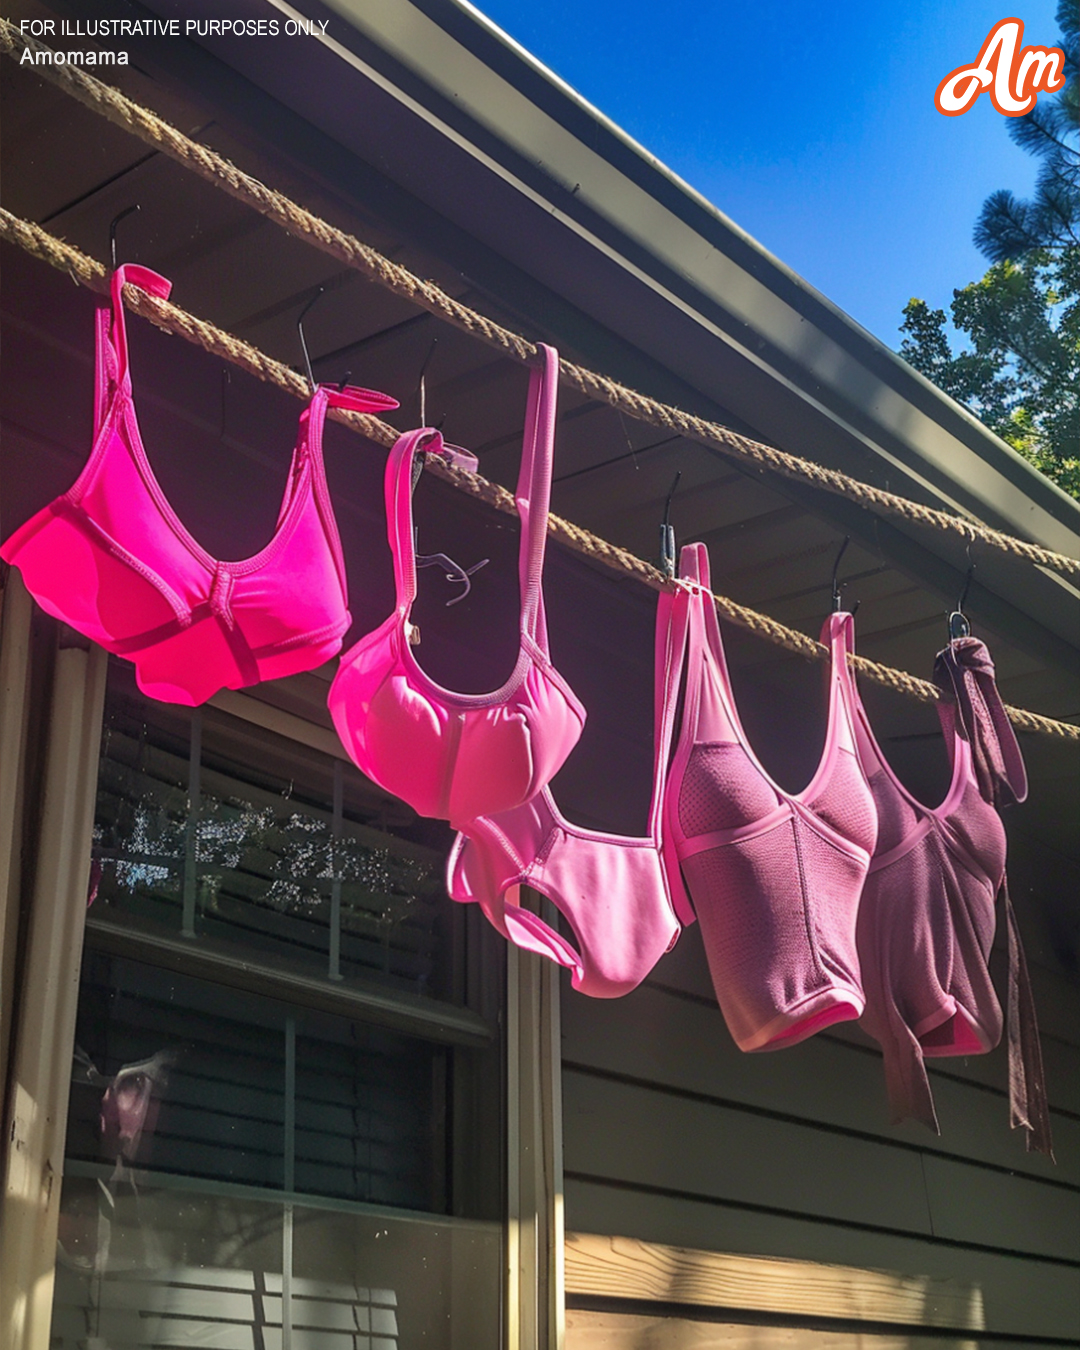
pixel 775 877
pixel 459 756
pixel 111 558
pixel 926 923
pixel 623 902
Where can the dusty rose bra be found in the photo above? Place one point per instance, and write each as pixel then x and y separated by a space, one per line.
pixel 775 877
pixel 111 558
pixel 927 920
pixel 459 756
pixel 623 902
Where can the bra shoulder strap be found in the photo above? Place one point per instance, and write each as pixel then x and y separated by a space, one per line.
pixel 399 513
pixel 704 641
pixel 150 282
pixel 838 634
pixel 104 365
pixel 533 495
pixel 310 443
pixel 672 632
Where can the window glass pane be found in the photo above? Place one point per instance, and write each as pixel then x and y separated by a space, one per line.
pixel 368 1105
pixel 181 1265
pixel 211 827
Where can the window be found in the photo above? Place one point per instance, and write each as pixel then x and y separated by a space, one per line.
pixel 286 1116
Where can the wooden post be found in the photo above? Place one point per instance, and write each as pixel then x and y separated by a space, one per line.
pixel 44 1032
pixel 535 1297
pixel 16 608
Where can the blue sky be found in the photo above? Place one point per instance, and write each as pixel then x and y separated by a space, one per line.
pixel 813 127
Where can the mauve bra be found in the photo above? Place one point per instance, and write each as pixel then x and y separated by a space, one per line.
pixel 927 917
pixel 111 558
pixel 775 877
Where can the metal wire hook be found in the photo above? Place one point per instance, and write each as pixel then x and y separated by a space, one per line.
pixel 836 587
pixel 959 627
pixel 303 341
pixel 128 211
pixel 421 386
pixel 667 533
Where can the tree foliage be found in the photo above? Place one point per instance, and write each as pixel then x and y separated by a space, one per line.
pixel 1021 374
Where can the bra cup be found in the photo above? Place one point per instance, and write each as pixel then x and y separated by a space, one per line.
pixel 202 652
pixel 980 832
pixel 847 803
pixel 387 727
pixel 305 566
pixel 111 602
pixel 719 793
pixel 448 762
pixel 589 881
pixel 493 763
pixel 925 963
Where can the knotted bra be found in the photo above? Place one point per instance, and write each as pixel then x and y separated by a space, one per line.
pixel 111 558
pixel 623 904
pixel 458 756
pixel 927 920
pixel 775 877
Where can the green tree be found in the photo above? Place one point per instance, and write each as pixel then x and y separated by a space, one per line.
pixel 1021 375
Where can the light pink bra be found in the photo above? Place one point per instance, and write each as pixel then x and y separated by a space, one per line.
pixel 775 876
pixel 459 756
pixel 623 903
pixel 111 558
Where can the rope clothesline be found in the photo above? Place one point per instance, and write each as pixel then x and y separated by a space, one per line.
pixel 172 319
pixel 345 248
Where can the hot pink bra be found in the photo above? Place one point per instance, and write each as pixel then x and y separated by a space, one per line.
pixel 111 558
pixel 926 922
pixel 459 756
pixel 775 877
pixel 622 900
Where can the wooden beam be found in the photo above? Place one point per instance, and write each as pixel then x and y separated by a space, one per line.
pixel 627 1331
pixel 621 1268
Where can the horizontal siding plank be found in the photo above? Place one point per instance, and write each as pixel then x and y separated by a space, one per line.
pixel 639 1136
pixel 1021 1296
pixel 1002 1211
pixel 627 1268
pixel 659 1037
pixel 708 1149
pixel 624 1331
pixel 1057 1000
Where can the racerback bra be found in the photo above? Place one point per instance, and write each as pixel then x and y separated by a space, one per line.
pixel 775 877
pixel 623 902
pixel 111 559
pixel 459 756
pixel 927 920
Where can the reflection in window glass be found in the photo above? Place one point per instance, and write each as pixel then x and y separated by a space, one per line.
pixel 210 827
pixel 363 1101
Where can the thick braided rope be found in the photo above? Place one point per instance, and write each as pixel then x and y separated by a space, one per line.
pixel 169 317
pixel 344 247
